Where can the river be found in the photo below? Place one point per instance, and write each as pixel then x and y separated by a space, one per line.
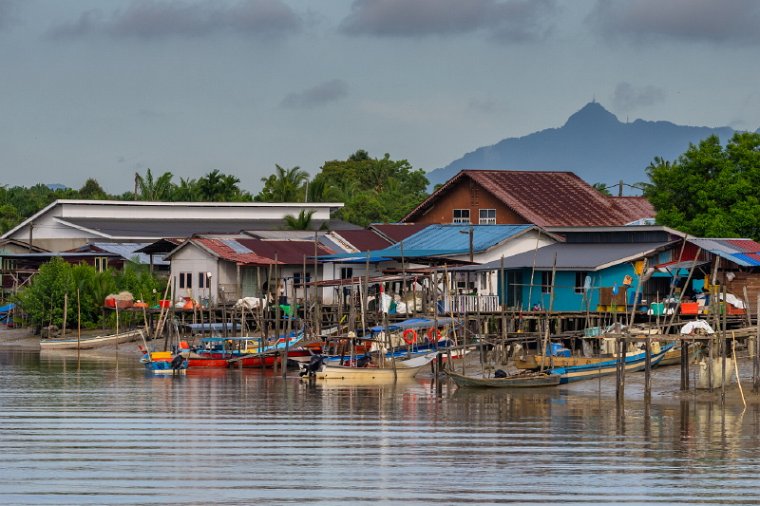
pixel 98 430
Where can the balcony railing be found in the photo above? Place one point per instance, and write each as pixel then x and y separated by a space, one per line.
pixel 473 304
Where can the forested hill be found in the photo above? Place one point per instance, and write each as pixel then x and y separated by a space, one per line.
pixel 593 143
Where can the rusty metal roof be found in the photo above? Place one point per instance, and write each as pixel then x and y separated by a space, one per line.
pixel 743 252
pixel 547 199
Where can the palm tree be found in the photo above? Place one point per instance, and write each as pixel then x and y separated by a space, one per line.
pixel 301 222
pixel 287 184
pixel 186 190
pixel 150 189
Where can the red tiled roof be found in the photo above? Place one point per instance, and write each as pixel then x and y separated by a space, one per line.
pixel 397 232
pixel 545 198
pixel 364 240
pixel 222 249
pixel 635 208
pixel 287 252
pixel 744 245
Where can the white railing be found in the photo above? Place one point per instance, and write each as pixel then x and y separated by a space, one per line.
pixel 474 304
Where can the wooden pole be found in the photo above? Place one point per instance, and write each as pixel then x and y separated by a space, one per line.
pixel 756 357
pixel 65 313
pixel 548 315
pixel 648 369
pixel 79 321
pixel 317 310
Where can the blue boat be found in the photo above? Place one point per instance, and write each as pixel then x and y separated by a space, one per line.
pixel 163 362
pixel 633 362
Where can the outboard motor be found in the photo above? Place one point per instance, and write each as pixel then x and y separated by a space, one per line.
pixel 499 373
pixel 315 362
pixel 177 362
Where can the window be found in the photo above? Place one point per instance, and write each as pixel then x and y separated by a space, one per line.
pixel 101 264
pixel 204 280
pixel 297 278
pixel 461 216
pixel 9 264
pixel 185 279
pixel 547 280
pixel 580 281
pixel 488 216
pixel 346 272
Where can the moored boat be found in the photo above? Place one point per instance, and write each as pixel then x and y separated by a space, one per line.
pixel 91 342
pixel 394 371
pixel 633 362
pixel 519 380
pixel 163 362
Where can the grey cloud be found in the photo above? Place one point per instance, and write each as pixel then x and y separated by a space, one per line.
pixel 628 97
pixel 150 19
pixel 8 13
pixel 727 21
pixel 320 94
pixel 506 20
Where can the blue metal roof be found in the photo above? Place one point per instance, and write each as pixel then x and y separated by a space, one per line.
pixel 743 252
pixel 447 240
pixel 439 240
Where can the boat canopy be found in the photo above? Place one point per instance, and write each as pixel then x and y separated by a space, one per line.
pixel 414 323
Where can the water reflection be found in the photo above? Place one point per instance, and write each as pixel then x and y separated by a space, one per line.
pixel 93 429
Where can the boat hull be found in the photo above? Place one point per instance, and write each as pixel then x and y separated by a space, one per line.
pixel 369 374
pixel 403 370
pixel 633 363
pixel 516 381
pixel 88 343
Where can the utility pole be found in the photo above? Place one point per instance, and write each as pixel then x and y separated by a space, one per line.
pixel 472 231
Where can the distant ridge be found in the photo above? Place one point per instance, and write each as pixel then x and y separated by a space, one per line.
pixel 592 143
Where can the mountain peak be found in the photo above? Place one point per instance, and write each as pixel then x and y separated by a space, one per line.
pixel 592 114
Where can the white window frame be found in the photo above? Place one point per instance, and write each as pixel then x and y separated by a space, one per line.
pixel 487 220
pixel 101 264
pixel 185 280
pixel 461 219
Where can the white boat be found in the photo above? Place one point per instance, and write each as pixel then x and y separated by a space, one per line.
pixel 88 343
pixel 401 370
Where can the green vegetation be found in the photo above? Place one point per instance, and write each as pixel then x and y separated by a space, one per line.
pixel 373 190
pixel 43 300
pixel 710 190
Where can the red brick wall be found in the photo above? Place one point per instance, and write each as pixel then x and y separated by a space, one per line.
pixel 468 195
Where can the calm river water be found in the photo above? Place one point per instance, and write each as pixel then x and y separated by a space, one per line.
pixel 100 431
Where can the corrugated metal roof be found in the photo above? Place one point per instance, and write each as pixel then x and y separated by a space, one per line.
pixel 128 251
pixel 396 232
pixel 574 256
pixel 363 240
pixel 547 198
pixel 743 252
pixel 221 249
pixel 449 240
pixel 236 246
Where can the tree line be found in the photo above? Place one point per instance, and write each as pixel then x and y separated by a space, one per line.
pixel 372 189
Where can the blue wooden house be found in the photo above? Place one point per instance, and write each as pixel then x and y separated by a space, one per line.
pixel 593 269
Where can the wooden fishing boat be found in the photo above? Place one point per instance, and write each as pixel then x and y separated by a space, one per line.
pixel 403 369
pixel 87 343
pixel 558 360
pixel 520 380
pixel 163 362
pixel 633 362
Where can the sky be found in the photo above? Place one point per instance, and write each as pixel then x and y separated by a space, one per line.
pixel 104 89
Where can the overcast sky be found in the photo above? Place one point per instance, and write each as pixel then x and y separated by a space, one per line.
pixel 95 88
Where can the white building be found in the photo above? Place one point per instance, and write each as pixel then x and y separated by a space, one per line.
pixel 68 224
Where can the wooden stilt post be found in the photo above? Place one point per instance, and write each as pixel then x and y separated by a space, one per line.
pixel 648 370
pixel 756 357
